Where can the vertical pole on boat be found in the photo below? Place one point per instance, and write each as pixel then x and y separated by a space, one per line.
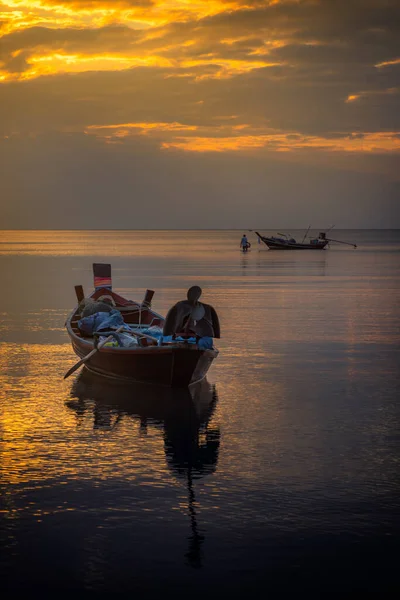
pixel 148 298
pixel 146 303
pixel 79 293
pixel 305 235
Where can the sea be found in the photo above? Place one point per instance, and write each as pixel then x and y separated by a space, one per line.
pixel 275 477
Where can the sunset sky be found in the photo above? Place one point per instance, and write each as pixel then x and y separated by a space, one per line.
pixel 195 113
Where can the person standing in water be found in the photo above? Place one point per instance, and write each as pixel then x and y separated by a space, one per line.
pixel 244 244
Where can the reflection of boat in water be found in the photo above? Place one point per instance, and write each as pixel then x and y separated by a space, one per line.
pixel 183 415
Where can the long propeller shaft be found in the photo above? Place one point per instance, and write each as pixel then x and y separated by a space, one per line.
pixel 340 242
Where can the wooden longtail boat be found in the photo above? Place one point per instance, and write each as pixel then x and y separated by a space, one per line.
pixel 287 242
pixel 175 363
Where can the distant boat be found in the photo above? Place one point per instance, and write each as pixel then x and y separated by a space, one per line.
pixel 174 363
pixel 287 242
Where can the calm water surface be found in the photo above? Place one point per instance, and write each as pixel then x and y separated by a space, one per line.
pixel 279 471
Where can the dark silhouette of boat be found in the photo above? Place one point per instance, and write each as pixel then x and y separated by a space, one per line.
pixel 287 242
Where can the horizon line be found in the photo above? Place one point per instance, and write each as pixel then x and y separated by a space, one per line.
pixel 197 229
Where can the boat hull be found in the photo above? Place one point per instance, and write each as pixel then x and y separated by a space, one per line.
pixel 275 244
pixel 173 365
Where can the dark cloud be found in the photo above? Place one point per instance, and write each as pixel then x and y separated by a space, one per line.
pixel 15 64
pixel 326 19
pixel 111 38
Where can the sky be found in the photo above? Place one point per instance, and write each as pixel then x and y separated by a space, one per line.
pixel 199 114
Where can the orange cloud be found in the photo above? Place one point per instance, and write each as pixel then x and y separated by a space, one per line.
pixel 212 144
pixel 364 143
pixel 365 94
pixel 387 63
pixel 142 24
pixel 18 14
pixel 243 137
pixel 143 127
pixel 61 62
pixel 77 63
pixel 353 98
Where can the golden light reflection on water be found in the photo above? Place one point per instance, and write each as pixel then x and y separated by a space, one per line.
pixel 42 440
pixel 97 243
pixel 295 330
pixel 55 431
